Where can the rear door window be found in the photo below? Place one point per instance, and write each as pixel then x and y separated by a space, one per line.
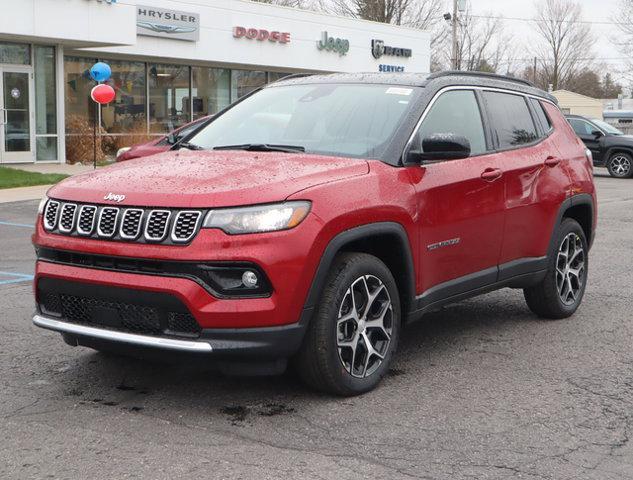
pixel 456 112
pixel 512 123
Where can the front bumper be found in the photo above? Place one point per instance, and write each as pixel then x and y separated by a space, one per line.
pixel 242 343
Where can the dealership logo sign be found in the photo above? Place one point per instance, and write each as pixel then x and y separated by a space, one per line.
pixel 261 35
pixel 331 44
pixel 158 22
pixel 378 49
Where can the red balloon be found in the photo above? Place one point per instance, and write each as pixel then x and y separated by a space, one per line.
pixel 103 94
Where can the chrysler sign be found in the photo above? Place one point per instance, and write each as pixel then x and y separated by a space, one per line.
pixel 159 22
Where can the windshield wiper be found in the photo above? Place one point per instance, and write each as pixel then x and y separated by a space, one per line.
pixel 189 146
pixel 263 147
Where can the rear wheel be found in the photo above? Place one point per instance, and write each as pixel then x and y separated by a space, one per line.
pixel 354 333
pixel 560 293
pixel 620 165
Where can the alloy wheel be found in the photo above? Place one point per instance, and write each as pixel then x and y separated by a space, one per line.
pixel 364 326
pixel 570 269
pixel 621 165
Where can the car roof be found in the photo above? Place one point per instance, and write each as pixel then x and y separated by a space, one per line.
pixel 440 79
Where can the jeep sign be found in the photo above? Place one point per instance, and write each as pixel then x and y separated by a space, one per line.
pixel 338 45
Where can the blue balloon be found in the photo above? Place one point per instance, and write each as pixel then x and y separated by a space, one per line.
pixel 100 72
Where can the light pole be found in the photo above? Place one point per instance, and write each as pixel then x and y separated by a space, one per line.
pixel 454 65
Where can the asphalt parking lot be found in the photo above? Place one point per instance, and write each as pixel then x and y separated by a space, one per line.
pixel 480 389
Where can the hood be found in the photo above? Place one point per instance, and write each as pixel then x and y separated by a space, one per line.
pixel 207 179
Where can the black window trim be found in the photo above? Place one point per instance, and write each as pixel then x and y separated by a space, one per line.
pixel 485 118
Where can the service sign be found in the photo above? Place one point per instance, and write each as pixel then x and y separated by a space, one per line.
pixel 165 23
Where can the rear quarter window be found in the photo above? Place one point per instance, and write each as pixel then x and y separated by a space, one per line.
pixel 541 115
pixel 511 119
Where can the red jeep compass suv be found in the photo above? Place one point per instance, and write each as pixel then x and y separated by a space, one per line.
pixel 316 217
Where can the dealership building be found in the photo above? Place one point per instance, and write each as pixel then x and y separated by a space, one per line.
pixel 172 62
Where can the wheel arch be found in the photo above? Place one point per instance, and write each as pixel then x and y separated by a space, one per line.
pixel 617 149
pixel 372 239
pixel 580 208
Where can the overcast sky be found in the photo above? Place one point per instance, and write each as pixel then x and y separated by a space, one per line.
pixel 593 10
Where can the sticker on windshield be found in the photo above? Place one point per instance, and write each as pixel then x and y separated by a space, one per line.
pixel 399 91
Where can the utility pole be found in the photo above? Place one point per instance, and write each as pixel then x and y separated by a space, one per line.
pixel 454 25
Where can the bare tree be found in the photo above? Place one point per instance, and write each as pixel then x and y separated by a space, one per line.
pixel 564 46
pixel 422 14
pixel 624 38
pixel 482 44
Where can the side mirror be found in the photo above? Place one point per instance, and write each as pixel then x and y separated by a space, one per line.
pixel 171 139
pixel 440 146
pixel 597 133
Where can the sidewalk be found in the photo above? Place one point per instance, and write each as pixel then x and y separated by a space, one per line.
pixel 64 168
pixel 35 193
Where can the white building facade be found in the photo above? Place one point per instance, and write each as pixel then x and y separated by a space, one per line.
pixel 173 61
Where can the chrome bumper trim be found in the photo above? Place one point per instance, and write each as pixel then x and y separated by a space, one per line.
pixel 112 335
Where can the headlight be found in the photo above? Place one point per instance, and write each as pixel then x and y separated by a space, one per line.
pixel 258 219
pixel 40 207
pixel 121 151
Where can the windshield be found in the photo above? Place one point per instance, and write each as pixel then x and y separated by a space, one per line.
pixel 330 119
pixel 604 126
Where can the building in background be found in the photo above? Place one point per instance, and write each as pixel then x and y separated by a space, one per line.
pixel 173 61
pixel 577 104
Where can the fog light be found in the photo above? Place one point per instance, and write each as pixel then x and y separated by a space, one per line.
pixel 249 279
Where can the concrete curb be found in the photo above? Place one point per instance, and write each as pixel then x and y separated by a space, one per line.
pixel 21 194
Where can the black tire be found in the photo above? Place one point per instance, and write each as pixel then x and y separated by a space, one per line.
pixel 319 362
pixel 620 165
pixel 545 299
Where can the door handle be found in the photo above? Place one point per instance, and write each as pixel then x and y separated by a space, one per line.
pixel 552 161
pixel 491 174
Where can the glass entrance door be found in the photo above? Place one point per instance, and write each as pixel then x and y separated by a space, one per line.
pixel 16 131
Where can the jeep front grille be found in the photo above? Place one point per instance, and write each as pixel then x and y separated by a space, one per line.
pixel 185 226
pixel 87 217
pixel 121 223
pixel 50 215
pixel 157 225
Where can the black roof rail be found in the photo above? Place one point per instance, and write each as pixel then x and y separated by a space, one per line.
pixel 470 73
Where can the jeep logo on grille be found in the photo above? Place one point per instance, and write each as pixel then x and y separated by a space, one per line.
pixel 113 197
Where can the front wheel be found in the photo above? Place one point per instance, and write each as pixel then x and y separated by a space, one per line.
pixel 620 165
pixel 354 333
pixel 560 293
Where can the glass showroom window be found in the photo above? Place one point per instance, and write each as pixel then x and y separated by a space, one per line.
pixel 15 53
pixel 80 110
pixel 45 103
pixel 211 90
pixel 125 119
pixel 274 76
pixel 169 97
pixel 244 82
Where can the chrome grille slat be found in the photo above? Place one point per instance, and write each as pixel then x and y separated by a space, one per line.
pixel 50 214
pixel 157 225
pixel 67 217
pixel 131 224
pixel 115 223
pixel 107 221
pixel 87 217
pixel 185 225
